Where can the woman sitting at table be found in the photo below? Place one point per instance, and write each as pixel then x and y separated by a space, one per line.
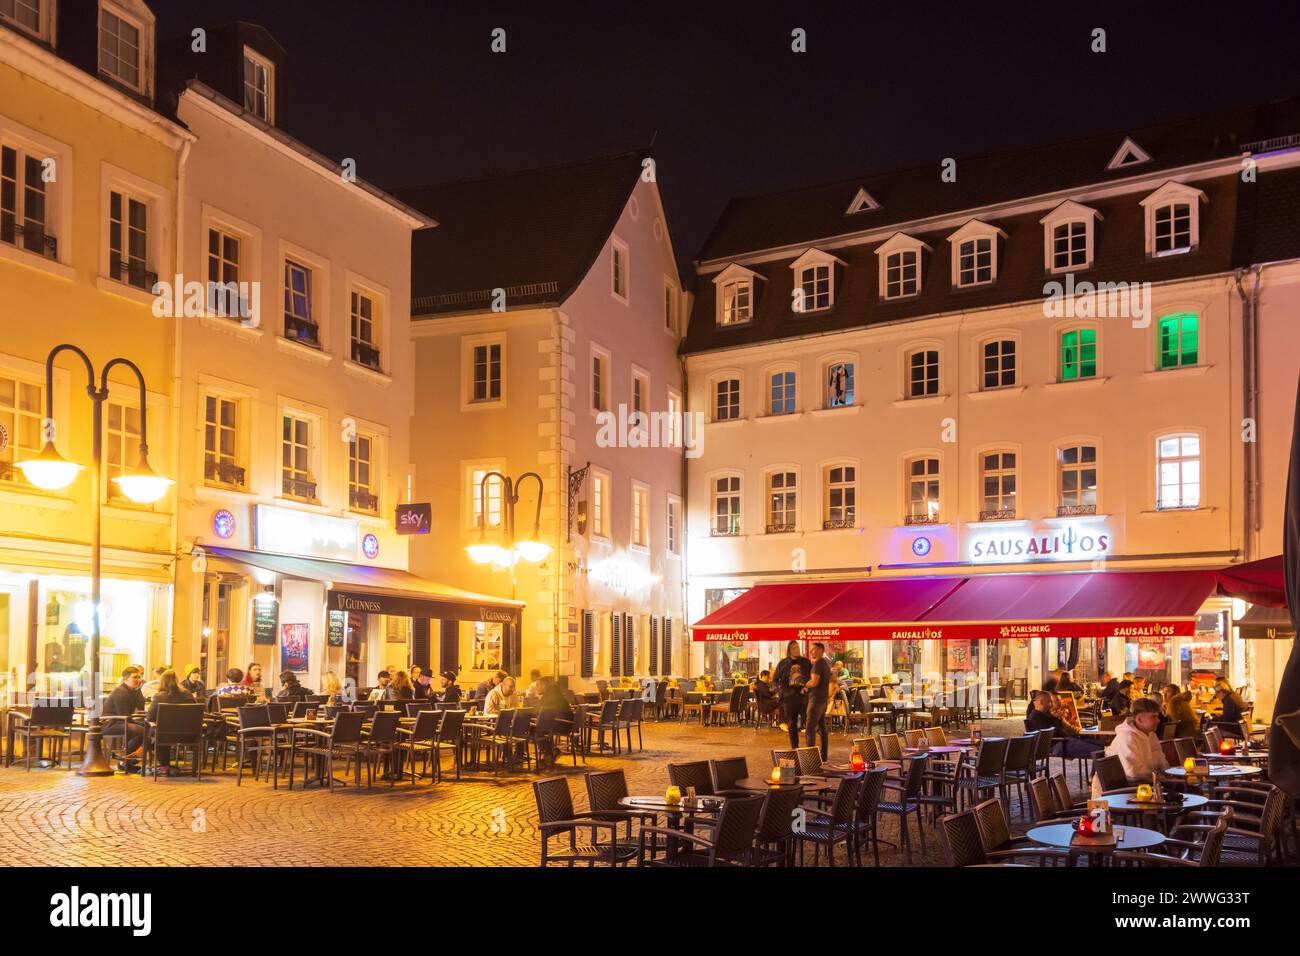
pixel 1177 710
pixel 501 697
pixel 1137 745
pixel 170 691
pixel 331 688
pixel 402 687
pixel 1234 709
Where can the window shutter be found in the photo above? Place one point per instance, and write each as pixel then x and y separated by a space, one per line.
pixel 629 645
pixel 654 645
pixel 588 643
pixel 615 644
pixel 666 660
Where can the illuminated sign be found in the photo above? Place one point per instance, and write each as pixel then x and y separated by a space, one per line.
pixel 1077 541
pixel 370 546
pixel 621 576
pixel 223 524
pixel 921 546
pixel 285 531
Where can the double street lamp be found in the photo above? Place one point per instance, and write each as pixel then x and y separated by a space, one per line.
pixel 51 471
pixel 509 552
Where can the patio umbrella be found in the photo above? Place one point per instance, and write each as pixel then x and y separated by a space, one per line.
pixel 1284 755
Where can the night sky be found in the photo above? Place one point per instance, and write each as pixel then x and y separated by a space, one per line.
pixel 412 91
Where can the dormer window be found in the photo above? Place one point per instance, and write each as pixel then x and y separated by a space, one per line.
pixel 259 75
pixel 735 295
pixel 814 281
pixel 900 266
pixel 1068 237
pixel 125 43
pixel 27 14
pixel 975 254
pixel 1172 220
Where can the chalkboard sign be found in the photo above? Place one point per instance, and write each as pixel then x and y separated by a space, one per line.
pixel 338 619
pixel 266 615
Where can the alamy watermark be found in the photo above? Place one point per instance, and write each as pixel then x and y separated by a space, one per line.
pixel 667 429
pixel 230 300
pixel 1100 300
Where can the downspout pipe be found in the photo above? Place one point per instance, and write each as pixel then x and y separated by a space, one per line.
pixel 182 159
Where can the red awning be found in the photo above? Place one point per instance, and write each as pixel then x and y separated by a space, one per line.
pixel 1259 582
pixel 1152 605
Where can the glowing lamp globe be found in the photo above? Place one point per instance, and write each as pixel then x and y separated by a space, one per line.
pixel 534 551
pixel 484 553
pixel 49 470
pixel 141 484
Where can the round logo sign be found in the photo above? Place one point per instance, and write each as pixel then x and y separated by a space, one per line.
pixel 223 524
pixel 370 546
pixel 920 547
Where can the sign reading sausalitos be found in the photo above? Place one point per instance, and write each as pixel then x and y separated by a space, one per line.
pixel 1143 631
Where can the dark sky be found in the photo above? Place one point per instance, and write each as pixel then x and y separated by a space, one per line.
pixel 411 89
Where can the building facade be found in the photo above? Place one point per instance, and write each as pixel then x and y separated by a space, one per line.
pixel 546 316
pixel 918 374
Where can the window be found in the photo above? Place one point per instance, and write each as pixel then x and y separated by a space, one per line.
pixel 23 203
pixel 599 381
pixel 841 497
pixel 128 241
pixel 1076 486
pixel 295 459
pixel 782 501
pixel 726 505
pixel 1173 228
pixel 480 495
pixel 999 364
pixel 1172 215
pixel 299 324
pixel 25 13
pixel 365 344
pixel 782 394
pixel 221 442
pixel 600 517
pixel 670 306
pixel 726 406
pixel 922 491
pixel 122 441
pixel 119 48
pixel 1178 471
pixel 736 297
pixel 1078 354
pixel 21 415
pixel 998 476
pixel 487 372
pixel 815 288
pixel 839 384
pixel 902 274
pixel 640 399
pixel 362 488
pixel 1179 339
pixel 923 373
pixel 674 528
pixel 975 262
pixel 1069 246
pixel 618 277
pixel 672 430
pixel 257 86
pixel 223 273
pixel 640 516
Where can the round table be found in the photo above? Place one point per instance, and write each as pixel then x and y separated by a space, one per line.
pixel 686 807
pixel 1127 801
pixel 763 784
pixel 1217 772
pixel 1126 838
pixel 946 749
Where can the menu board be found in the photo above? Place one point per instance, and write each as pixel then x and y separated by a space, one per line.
pixel 266 615
pixel 338 621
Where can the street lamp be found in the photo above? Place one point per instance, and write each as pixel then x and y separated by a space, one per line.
pixel 533 549
pixel 51 471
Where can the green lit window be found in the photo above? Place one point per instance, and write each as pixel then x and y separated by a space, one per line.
pixel 1078 354
pixel 1179 340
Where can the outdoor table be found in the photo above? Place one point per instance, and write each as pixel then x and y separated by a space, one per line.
pixel 945 749
pixel 1160 812
pixel 763 784
pixel 845 768
pixel 1217 772
pixel 1126 838
pixel 1233 758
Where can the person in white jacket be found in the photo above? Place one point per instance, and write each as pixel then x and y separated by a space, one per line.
pixel 1137 745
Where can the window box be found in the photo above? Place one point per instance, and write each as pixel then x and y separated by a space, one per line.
pixel 365 354
pixel 300 488
pixel 363 501
pixel 33 239
pixel 224 473
pixel 997 515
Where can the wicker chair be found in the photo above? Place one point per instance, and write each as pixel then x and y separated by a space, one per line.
pixel 959 840
pixel 1018 768
pixel 774 841
pixel 890 746
pixel 867 815
pixel 450 737
pixel 605 788
pixel 1109 771
pixel 810 761
pixel 868 747
pixel 419 741
pixel 833 825
pixel 915 737
pixel 380 743
pixel 556 816
pixel 343 741
pixel 1043 802
pixel 730 841
pixel 998 844
pixel 1190 851
pixel 935 737
pixel 908 802
pixel 693 774
pixel 256 738
pixel 727 772
pixel 986 774
pixel 629 717
pixel 606 720
pixel 1254 837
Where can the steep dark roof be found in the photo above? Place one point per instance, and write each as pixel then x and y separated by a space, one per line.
pixel 534 233
pixel 805 216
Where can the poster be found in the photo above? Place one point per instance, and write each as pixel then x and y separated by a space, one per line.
pixel 1152 656
pixel 959 657
pixel 293 648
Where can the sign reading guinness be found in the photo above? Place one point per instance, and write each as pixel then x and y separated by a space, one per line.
pixel 412 604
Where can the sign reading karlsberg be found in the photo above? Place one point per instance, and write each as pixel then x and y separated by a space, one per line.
pixel 285 531
pixel 1076 541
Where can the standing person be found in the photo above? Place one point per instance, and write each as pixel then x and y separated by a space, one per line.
pixel 788 691
pixel 1137 745
pixel 124 701
pixel 819 684
pixel 193 682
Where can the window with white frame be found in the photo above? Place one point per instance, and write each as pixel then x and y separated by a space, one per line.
pixel 726 505
pixel 923 373
pixel 120 44
pixel 486 371
pixel 781 393
pixel 299 313
pixel 726 405
pixel 128 240
pixel 600 516
pixel 484 498
pixel 670 305
pixel 1179 340
pixel 259 93
pixel 619 270
pixel 923 486
pixel 975 262
pixel 21 415
pixel 672 430
pixel 840 493
pixel 999 364
pixel 363 314
pixel 24 202
pixel 998 485
pixel 363 488
pixel 815 288
pixel 839 384
pixel 599 381
pixel 122 445
pixel 1178 471
pixel 23 13
pixel 1070 245
pixel 736 297
pixel 1076 480
pixel 782 501
pixel 674 525
pixel 225 251
pixel 902 274
pixel 1078 354
pixel 1172 219
pixel 221 442
pixel 640 398
pixel 640 516
pixel 296 479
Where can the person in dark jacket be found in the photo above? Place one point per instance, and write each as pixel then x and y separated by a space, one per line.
pixel 450 693
pixel 193 682
pixel 170 691
pixel 1109 688
pixel 1234 709
pixel 1176 709
pixel 290 689
pixel 125 700
pixel 791 695
pixel 1066 683
pixel 1066 741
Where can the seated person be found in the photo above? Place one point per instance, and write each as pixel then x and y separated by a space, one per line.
pixel 125 700
pixel 1234 709
pixel 1065 739
pixel 535 685
pixel 1120 703
pixel 193 682
pixel 290 689
pixel 382 690
pixel 422 686
pixel 1137 745
pixel 401 688
pixel 170 691
pixel 501 697
pixel 1066 683
pixel 1177 710
pixel 450 693
pixel 485 686
pixel 151 686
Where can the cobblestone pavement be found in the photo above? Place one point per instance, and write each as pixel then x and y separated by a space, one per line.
pixel 53 817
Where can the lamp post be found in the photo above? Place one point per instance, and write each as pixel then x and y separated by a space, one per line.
pixel 532 550
pixel 51 471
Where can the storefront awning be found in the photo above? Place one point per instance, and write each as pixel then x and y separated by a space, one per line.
pixel 1262 623
pixel 1153 605
pixel 381 590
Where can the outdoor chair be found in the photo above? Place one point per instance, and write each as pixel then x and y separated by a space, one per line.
pixel 1184 747
pixel 629 717
pixel 774 841
pixel 1109 771
pixel 996 839
pixel 728 708
pixel 179 726
pixel 1213 739
pixel 575 734
pixel 1043 803
pixel 419 741
pixel 914 738
pixel 868 748
pixel 726 772
pixel 986 775
pixel 277 713
pixel 730 840
pixel 827 827
pixel 605 788
pixel 1170 752
pixel 809 761
pixel 341 742
pixel 941 776
pixel 557 817
pixel 692 704
pixel 46 723
pixel 935 737
pixel 520 738
pixel 1043 753
pixel 890 747
pixel 906 802
pixel 1254 838
pixel 379 744
pixel 450 737
pixel 963 843
pixel 867 814
pixel 693 774
pixel 495 740
pixel 606 720
pixel 1017 769
pixel 1064 799
pixel 1183 847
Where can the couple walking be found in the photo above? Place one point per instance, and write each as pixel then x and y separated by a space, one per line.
pixel 803 686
